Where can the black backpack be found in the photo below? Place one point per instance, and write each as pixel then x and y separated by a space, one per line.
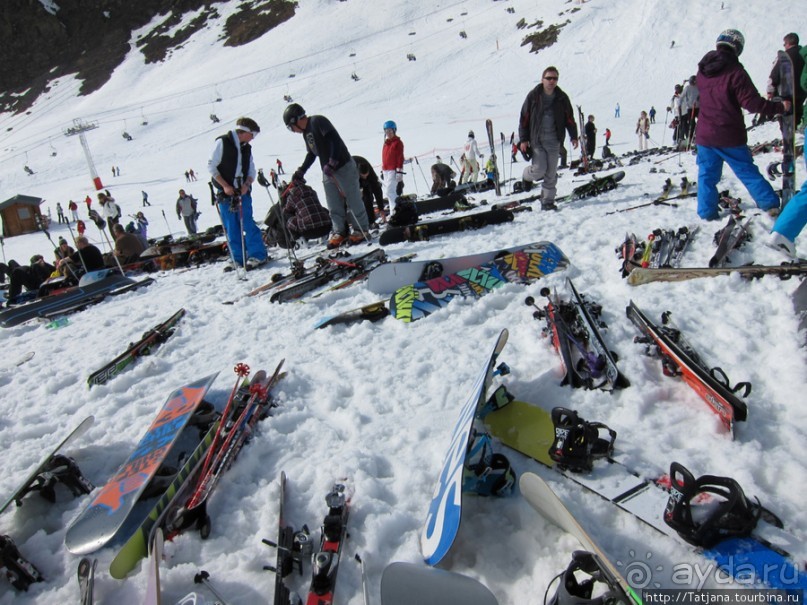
pixel 406 213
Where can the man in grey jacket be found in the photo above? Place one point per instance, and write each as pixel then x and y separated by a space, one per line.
pixel 546 116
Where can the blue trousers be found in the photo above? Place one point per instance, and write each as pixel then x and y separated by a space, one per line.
pixel 739 159
pixel 794 215
pixel 252 235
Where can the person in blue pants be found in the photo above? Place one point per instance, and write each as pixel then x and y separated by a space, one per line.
pixel 232 170
pixel 725 90
pixel 791 222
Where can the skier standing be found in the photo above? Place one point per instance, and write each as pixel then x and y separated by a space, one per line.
pixel 340 176
pixel 689 110
pixel 470 165
pixel 793 51
pixel 652 114
pixel 546 115
pixel 392 160
pixel 186 210
pixel 73 208
pixel 232 168
pixel 643 130
pixel 591 137
pixel 725 89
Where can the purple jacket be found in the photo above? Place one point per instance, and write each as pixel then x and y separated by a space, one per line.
pixel 725 89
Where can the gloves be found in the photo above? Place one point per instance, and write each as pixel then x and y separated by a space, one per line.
pixel 298 176
pixel 329 168
pixel 399 188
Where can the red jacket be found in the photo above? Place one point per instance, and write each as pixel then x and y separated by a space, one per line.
pixel 392 154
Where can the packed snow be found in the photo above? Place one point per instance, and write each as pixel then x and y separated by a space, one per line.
pixel 376 403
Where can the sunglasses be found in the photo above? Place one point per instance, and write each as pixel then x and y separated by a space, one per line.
pixel 550 77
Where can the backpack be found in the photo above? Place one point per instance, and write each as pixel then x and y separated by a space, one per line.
pixel 405 214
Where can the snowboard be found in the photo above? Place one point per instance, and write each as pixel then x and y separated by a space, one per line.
pixel 639 276
pixel 42 477
pixel 453 200
pixel 87 292
pixel 529 429
pixel 445 509
pixel 786 90
pixel 151 340
pixel 540 496
pixel 372 312
pixel 388 277
pixel 410 584
pixel 109 509
pixel 424 230
pixel 136 547
pixel 421 299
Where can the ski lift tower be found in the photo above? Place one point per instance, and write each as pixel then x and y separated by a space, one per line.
pixel 79 127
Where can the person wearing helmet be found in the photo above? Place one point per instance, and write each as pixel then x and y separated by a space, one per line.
pixel 546 116
pixel 232 169
pixel 340 177
pixel 392 160
pixel 470 165
pixel 725 90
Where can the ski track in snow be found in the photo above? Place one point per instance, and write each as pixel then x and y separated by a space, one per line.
pixel 377 402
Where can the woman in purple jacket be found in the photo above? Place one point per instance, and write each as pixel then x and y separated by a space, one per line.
pixel 725 89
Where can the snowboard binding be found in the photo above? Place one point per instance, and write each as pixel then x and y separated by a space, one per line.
pixel 578 443
pixel 486 473
pixel 60 469
pixel 572 591
pixel 723 510
pixel 19 571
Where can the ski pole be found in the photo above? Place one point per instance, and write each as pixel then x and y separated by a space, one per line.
pixel 265 184
pixel 3 246
pixel 423 174
pixel 286 233
pixel 112 252
pixel 80 256
pixel 166 223
pixel 243 237
pixel 203 578
pixel 364 587
pixel 353 214
pixel 226 236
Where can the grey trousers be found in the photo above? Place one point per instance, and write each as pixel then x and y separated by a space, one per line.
pixel 343 197
pixel 544 165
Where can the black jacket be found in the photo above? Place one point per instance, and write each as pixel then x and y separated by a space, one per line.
pixel 529 123
pixel 322 141
pixel 227 167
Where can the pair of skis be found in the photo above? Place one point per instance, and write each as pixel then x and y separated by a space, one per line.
pixel 729 238
pixel 294 546
pixel 574 326
pixel 667 246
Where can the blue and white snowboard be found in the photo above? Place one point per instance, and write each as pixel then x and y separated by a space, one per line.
pixel 443 519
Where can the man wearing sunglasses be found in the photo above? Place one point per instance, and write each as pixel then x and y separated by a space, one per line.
pixel 546 116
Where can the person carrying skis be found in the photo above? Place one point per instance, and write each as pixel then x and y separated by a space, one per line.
pixel 546 115
pixel 470 165
pixel 186 210
pixel 591 137
pixel 392 161
pixel 643 130
pixel 689 111
pixel 793 50
pixel 725 90
pixel 232 169
pixel 340 176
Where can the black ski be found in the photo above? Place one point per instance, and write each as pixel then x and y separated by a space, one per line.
pixel 727 239
pixel 496 181
pixel 325 563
